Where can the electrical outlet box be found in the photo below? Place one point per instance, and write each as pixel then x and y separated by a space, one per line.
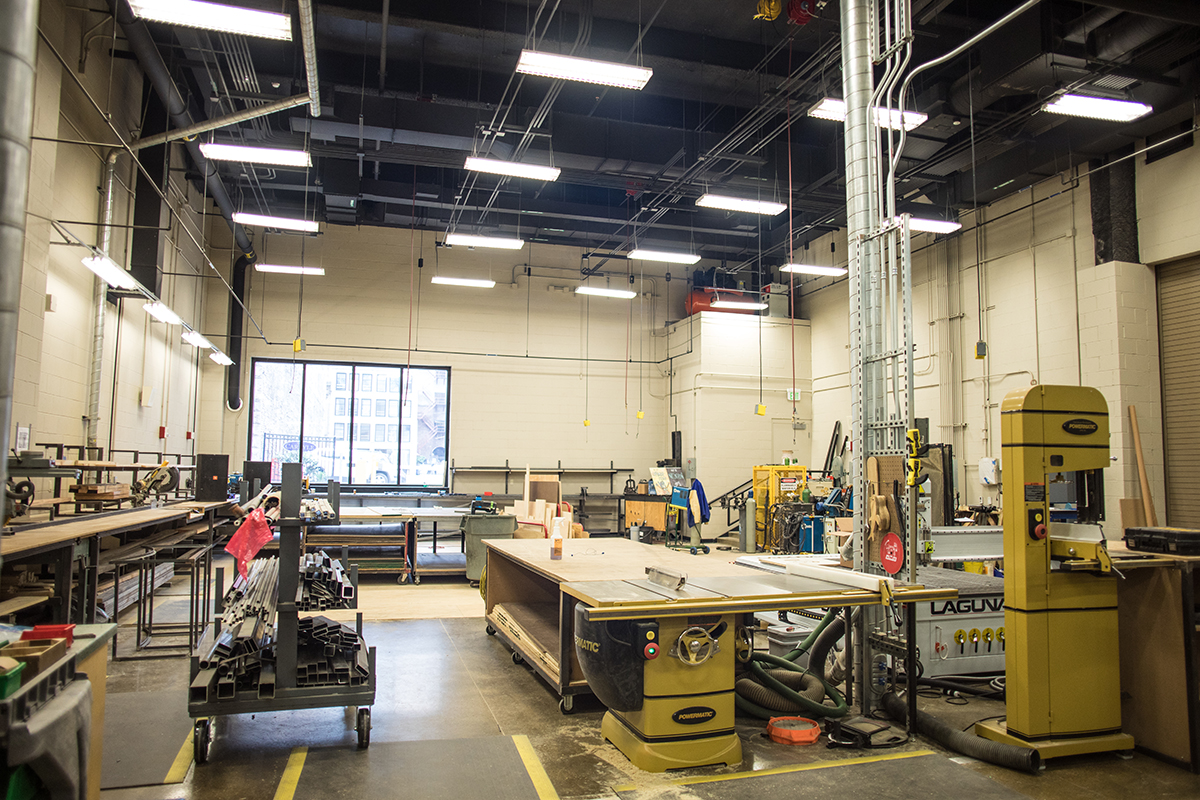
pixel 981 351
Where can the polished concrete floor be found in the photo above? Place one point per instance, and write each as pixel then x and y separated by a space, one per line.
pixel 454 716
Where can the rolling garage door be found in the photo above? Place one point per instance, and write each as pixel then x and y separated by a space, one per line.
pixel 1179 345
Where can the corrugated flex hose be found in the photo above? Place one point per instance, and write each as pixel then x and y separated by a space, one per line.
pixel 1005 755
pixel 788 688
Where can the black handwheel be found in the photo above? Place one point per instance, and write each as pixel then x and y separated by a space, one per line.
pixel 201 739
pixel 490 630
pixel 516 657
pixel 363 726
pixel 567 704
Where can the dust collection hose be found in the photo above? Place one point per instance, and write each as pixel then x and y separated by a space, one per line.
pixel 1005 755
pixel 772 692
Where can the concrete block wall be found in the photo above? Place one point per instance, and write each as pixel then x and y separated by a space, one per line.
pixel 54 346
pixel 724 366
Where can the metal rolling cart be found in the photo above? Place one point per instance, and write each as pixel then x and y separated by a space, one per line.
pixel 280 685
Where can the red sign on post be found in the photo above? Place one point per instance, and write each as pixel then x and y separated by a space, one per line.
pixel 891 553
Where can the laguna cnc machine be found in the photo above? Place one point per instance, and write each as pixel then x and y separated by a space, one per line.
pixel 1062 670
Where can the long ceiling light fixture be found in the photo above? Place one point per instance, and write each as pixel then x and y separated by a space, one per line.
pixel 256 155
pixel 162 313
pixel 661 255
pixel 834 109
pixel 738 305
pixel 587 70
pixel 287 270
pixel 283 223
pixel 498 166
pixel 1106 108
pixel 921 225
pixel 220 358
pixel 469 240
pixel 196 339
pixel 476 283
pixel 600 291
pixel 813 269
pixel 741 204
pixel 215 17
pixel 110 272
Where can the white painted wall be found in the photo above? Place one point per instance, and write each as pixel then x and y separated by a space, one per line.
pixel 54 346
pixel 1168 205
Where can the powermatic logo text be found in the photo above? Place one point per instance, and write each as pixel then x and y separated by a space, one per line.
pixel 967 605
pixel 693 715
pixel 585 644
pixel 1080 427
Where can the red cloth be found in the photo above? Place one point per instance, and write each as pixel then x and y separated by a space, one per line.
pixel 251 535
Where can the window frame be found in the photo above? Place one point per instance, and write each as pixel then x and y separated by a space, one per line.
pixel 352 427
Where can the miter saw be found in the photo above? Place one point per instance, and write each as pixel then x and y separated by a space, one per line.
pixel 18 495
pixel 161 479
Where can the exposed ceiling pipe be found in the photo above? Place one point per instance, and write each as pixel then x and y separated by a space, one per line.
pixel 385 20
pixel 152 63
pixel 18 36
pixel 309 42
pixel 207 125
pixel 1185 11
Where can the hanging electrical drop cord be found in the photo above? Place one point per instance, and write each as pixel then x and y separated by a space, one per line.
pixel 791 247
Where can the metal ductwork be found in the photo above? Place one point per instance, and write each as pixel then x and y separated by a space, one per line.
pixel 1184 11
pixel 233 373
pixel 1115 41
pixel 146 50
pixel 18 49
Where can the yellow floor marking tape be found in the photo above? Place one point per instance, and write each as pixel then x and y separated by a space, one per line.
pixel 291 774
pixel 182 763
pixel 784 770
pixel 533 766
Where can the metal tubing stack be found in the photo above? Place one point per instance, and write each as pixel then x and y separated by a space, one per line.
pixel 325 584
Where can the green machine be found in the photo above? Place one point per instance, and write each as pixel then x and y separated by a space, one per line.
pixel 1060 593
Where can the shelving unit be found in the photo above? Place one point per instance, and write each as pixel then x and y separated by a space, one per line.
pixel 507 470
pixel 285 694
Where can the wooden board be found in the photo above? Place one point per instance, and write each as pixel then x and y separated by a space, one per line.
pixel 50 536
pixel 604 559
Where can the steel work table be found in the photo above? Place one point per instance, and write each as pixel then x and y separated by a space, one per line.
pixel 530 599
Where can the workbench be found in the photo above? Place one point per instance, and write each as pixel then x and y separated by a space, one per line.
pixel 64 542
pixel 410 563
pixel 530 598
pixel 1160 678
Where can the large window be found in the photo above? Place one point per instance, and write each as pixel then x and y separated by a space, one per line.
pixel 397 434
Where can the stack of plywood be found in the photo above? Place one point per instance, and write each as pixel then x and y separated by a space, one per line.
pixel 87 492
pixel 541 513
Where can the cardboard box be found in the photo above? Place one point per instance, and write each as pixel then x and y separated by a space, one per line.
pixel 36 654
pixel 527 531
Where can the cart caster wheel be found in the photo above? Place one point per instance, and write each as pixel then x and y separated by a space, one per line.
pixel 705 549
pixel 402 579
pixel 416 580
pixel 490 630
pixel 516 657
pixel 363 726
pixel 566 705
pixel 692 550
pixel 474 584
pixel 201 740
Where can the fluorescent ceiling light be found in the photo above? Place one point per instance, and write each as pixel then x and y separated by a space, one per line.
pixel 742 305
pixel 221 358
pixel 498 166
pixel 256 155
pixel 215 17
pixel 659 255
pixel 285 223
pixel 196 340
pixel 478 283
pixel 932 225
pixel 110 272
pixel 833 109
pixel 569 68
pixel 1081 105
pixel 740 204
pixel 467 240
pixel 600 291
pixel 813 269
pixel 286 270
pixel 163 314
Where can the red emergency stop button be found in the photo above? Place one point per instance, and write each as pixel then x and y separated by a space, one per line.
pixel 650 651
